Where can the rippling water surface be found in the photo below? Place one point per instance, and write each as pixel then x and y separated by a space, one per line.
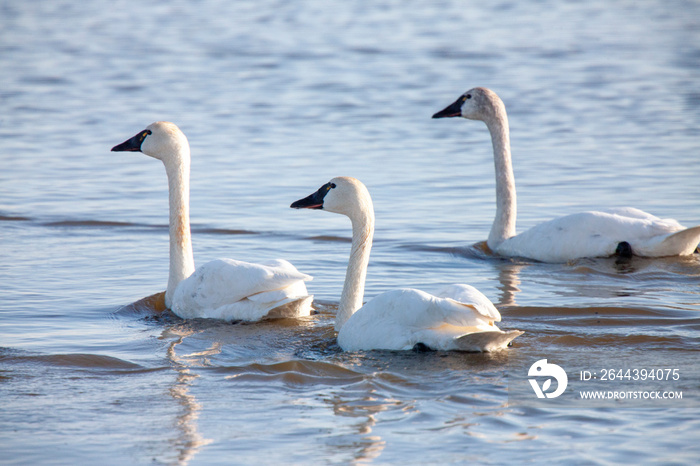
pixel 276 98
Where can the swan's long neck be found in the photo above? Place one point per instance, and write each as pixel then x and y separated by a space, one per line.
pixel 354 287
pixel 506 206
pixel 181 257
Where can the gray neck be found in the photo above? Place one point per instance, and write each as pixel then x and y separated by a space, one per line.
pixel 181 257
pixel 506 206
pixel 354 287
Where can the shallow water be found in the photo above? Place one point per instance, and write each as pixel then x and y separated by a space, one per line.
pixel 276 98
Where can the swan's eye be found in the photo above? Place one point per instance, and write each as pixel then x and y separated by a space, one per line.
pixel 145 133
pixel 468 96
pixel 332 186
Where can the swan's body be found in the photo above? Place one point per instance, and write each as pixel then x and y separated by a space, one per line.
pixel 458 317
pixel 587 234
pixel 221 289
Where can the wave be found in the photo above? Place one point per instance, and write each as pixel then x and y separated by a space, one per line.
pixel 479 250
pixel 647 342
pixel 600 311
pixel 89 223
pixel 295 372
pixel 330 238
pixel 13 218
pixel 92 223
pixel 76 360
pixel 153 304
pixel 223 231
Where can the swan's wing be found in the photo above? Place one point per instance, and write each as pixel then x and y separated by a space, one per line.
pixel 229 284
pixel 630 212
pixel 416 309
pixel 667 224
pixel 294 290
pixel 589 234
pixel 282 265
pixel 467 294
pixel 257 308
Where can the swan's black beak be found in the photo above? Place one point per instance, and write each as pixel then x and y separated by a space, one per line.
pixel 453 110
pixel 133 144
pixel 315 200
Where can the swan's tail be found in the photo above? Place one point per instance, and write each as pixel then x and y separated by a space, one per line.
pixel 486 341
pixel 681 243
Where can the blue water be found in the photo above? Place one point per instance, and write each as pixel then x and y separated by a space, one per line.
pixel 276 98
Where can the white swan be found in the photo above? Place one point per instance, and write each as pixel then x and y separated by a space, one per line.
pixel 221 289
pixel 625 231
pixel 459 317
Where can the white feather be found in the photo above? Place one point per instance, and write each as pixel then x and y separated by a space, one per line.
pixel 399 319
pixel 234 290
pixel 587 234
pixel 221 289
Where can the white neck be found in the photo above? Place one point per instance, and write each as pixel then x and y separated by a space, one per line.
pixel 506 206
pixel 181 257
pixel 354 287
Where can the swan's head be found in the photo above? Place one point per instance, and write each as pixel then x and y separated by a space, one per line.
pixel 479 103
pixel 161 140
pixel 342 195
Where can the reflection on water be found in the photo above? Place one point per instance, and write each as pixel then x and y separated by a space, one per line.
pixel 189 440
pixel 508 278
pixel 362 444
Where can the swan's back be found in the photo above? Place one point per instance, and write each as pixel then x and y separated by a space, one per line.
pixel 400 319
pixel 228 289
pixel 592 234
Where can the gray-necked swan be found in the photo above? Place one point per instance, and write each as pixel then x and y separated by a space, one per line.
pixel 458 317
pixel 588 234
pixel 224 288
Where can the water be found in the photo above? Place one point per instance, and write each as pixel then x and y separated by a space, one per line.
pixel 276 98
